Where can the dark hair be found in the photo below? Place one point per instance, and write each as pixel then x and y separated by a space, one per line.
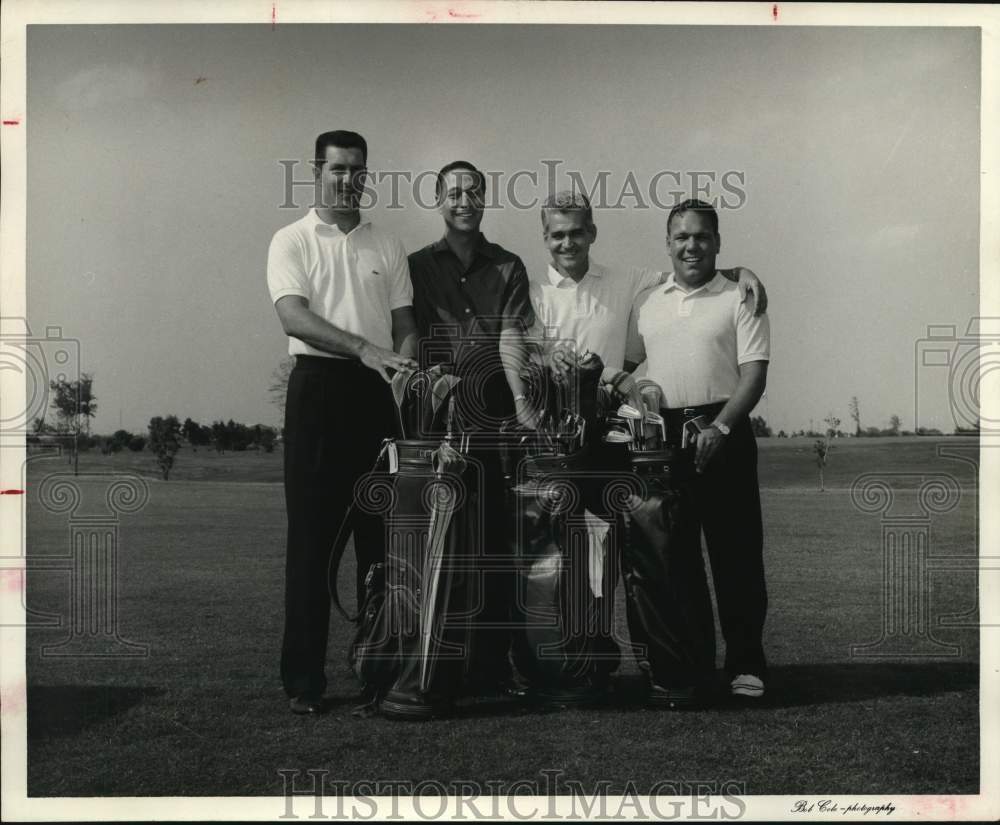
pixel 568 201
pixel 694 205
pixel 342 140
pixel 459 164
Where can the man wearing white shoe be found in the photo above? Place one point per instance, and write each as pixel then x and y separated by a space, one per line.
pixel 710 355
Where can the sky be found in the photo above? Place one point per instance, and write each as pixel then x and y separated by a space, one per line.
pixel 851 157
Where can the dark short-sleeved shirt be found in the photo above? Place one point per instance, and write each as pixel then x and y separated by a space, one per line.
pixel 461 312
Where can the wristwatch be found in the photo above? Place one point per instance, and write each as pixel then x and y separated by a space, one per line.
pixel 722 428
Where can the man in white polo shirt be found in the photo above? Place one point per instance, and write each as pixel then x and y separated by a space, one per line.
pixel 341 289
pixel 710 355
pixel 583 305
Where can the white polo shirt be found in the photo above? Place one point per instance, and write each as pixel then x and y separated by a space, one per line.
pixel 695 342
pixel 352 280
pixel 594 312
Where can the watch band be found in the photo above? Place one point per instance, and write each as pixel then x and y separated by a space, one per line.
pixel 725 429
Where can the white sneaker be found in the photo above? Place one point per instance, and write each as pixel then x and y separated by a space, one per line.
pixel 746 684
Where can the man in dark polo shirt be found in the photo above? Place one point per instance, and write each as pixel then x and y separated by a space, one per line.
pixel 471 302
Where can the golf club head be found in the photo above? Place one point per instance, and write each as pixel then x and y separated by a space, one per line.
pixel 617 437
pixel 633 418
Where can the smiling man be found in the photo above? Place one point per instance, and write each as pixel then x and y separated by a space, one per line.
pixel 710 355
pixel 471 296
pixel 584 305
pixel 341 289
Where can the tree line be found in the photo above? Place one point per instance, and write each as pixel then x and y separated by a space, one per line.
pixel 75 404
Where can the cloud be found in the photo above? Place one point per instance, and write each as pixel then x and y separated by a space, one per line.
pixel 104 86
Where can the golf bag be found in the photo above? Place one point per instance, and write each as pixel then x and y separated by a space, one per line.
pixel 563 646
pixel 415 660
pixel 669 610
pixel 564 602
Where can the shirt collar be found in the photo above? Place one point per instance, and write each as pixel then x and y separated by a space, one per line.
pixel 716 284
pixel 556 277
pixel 319 225
pixel 483 247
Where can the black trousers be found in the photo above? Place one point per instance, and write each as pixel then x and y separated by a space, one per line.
pixel 493 570
pixel 336 414
pixel 727 497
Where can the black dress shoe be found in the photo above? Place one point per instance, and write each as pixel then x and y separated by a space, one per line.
pixel 303 705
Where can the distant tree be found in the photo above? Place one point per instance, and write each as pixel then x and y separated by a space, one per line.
pixel 872 432
pixel 782 434
pixel 75 404
pixel 120 440
pixel 264 437
pixel 822 447
pixel 760 428
pixel 195 434
pixel 894 425
pixel 165 441
pixel 40 426
pixel 137 444
pixel 855 415
pixel 279 382
pixel 220 436
pixel 928 431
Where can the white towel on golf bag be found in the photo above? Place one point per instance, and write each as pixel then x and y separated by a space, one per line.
pixel 597 536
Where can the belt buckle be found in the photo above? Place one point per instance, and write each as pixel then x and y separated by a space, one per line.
pixel 690 412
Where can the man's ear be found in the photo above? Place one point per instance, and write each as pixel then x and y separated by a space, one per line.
pixel 593 232
pixel 317 168
pixel 718 242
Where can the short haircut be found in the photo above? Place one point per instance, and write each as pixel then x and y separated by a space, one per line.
pixel 568 200
pixel 460 164
pixel 342 140
pixel 695 205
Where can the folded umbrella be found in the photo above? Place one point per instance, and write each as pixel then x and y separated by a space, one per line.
pixel 448 461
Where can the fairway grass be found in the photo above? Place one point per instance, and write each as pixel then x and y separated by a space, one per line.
pixel 201 584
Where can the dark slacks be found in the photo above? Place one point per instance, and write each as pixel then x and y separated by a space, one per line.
pixel 727 497
pixel 336 414
pixel 493 571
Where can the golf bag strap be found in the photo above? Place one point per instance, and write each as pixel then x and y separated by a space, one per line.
pixel 340 545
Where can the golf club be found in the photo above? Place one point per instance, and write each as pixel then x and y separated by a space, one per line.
pixel 657 419
pixel 631 416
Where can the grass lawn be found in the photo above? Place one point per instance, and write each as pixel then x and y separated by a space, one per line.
pixel 201 580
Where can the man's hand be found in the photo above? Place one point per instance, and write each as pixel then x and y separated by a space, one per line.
pixel 623 388
pixel 562 360
pixel 710 440
pixel 382 360
pixel 749 284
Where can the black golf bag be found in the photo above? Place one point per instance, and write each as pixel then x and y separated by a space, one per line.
pixel 566 574
pixel 563 646
pixel 413 644
pixel 669 609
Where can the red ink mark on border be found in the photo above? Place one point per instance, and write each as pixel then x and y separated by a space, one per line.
pixel 12 699
pixel 274 15
pixel 12 580
pixel 453 13
pixel 774 12
pixel 12 122
pixel 11 492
